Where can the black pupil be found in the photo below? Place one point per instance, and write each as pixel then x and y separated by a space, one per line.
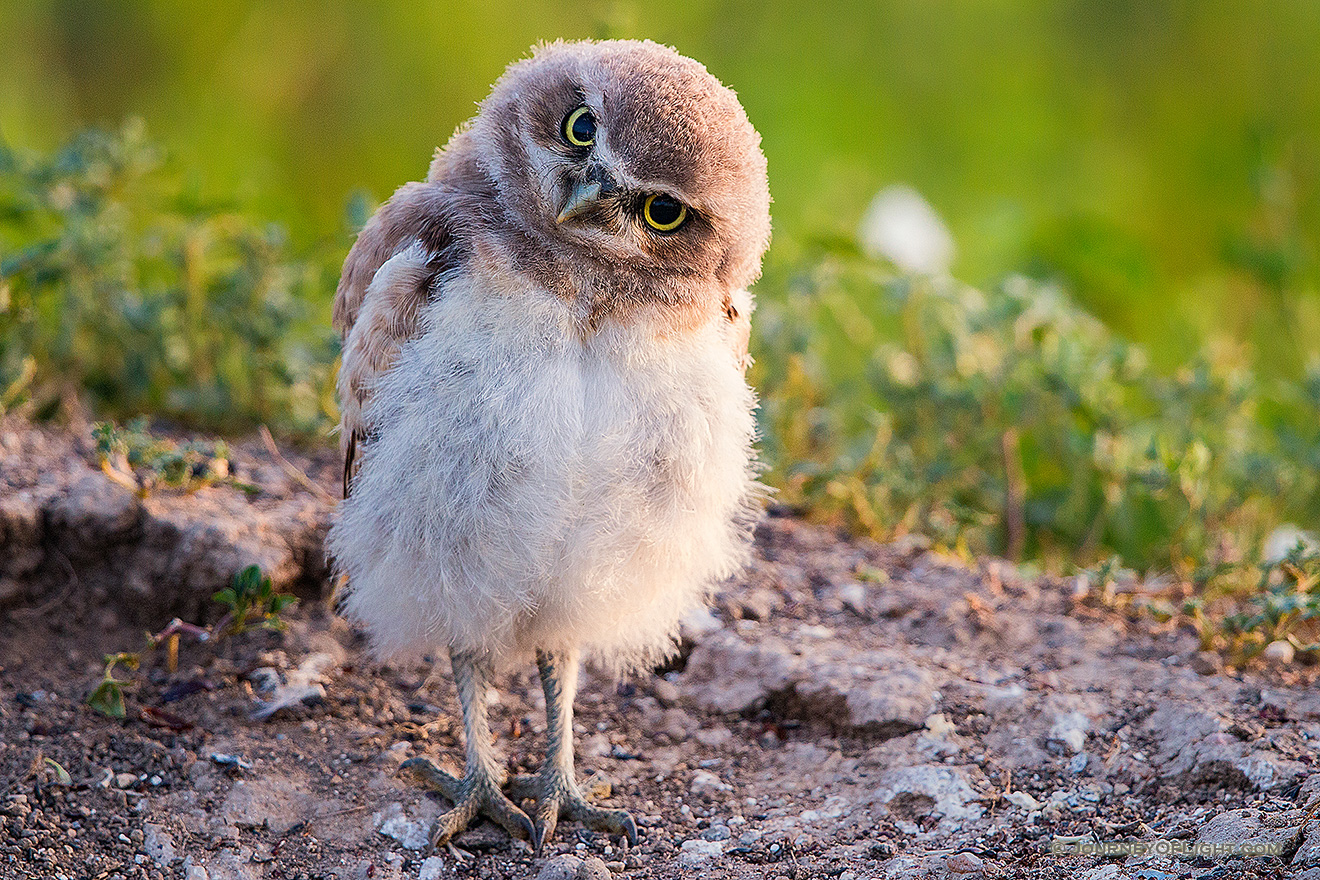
pixel 665 210
pixel 584 128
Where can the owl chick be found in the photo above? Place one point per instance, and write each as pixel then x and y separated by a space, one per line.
pixel 548 435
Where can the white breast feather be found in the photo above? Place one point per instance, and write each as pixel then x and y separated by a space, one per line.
pixel 530 487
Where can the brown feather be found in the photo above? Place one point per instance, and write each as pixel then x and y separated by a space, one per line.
pixel 376 315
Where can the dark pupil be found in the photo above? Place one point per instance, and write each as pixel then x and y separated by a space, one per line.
pixel 665 210
pixel 584 128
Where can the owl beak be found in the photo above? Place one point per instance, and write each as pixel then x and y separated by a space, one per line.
pixel 583 196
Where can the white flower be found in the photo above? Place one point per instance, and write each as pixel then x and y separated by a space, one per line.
pixel 902 227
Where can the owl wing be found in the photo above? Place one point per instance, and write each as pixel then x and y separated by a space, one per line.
pixel 389 277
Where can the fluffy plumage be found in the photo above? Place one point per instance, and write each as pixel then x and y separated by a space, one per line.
pixel 548 434
pixel 561 435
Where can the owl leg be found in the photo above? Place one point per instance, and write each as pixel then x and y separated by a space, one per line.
pixel 555 788
pixel 479 789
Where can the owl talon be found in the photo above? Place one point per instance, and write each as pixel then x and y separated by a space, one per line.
pixel 475 793
pixel 558 797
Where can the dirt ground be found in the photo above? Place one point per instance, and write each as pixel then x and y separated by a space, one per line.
pixel 847 710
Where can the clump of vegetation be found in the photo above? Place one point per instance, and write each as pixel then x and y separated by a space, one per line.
pixel 134 457
pixel 1013 422
pixel 1285 607
pixel 251 602
pixel 119 286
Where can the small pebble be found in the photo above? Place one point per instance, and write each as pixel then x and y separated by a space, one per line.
pixel 717 832
pixel 1279 652
pixel 563 867
pixel 1207 663
pixel 964 863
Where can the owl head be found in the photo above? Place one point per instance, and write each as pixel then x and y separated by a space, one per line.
pixel 623 164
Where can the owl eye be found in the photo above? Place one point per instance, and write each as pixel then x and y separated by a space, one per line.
pixel 663 213
pixel 580 128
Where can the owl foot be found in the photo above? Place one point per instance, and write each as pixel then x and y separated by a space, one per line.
pixel 558 797
pixel 476 792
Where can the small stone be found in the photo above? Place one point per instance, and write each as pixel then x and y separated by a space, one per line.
pixel 1103 872
pixel 717 832
pixel 880 850
pixel 125 780
pixel 158 844
pixel 432 868
pixel 601 788
pixel 195 872
pixel 563 867
pixel 665 691
pixel 1206 663
pixel 275 804
pixel 853 597
pixel 593 868
pixel 964 864
pixel 1023 800
pixel 939 725
pixel 880 691
pixel 393 823
pixel 697 851
pixel 911 794
pixel 707 784
pixel 1309 794
pixel 1070 730
pixel 1244 828
pixel 1279 652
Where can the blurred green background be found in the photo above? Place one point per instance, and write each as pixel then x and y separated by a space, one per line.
pixel 1125 374
pixel 1159 156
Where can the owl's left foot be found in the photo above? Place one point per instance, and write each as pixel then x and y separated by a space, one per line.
pixel 558 796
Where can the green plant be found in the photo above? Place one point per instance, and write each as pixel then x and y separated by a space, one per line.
pixel 132 455
pixel 1013 422
pixel 250 600
pixel 118 284
pixel 1286 606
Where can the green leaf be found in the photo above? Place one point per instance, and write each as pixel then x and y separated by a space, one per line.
pixel 248 581
pixel 108 698
pixel 61 775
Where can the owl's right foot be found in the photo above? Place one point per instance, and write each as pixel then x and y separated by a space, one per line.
pixel 476 792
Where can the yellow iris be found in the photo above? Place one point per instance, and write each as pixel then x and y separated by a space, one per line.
pixel 663 213
pixel 580 128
